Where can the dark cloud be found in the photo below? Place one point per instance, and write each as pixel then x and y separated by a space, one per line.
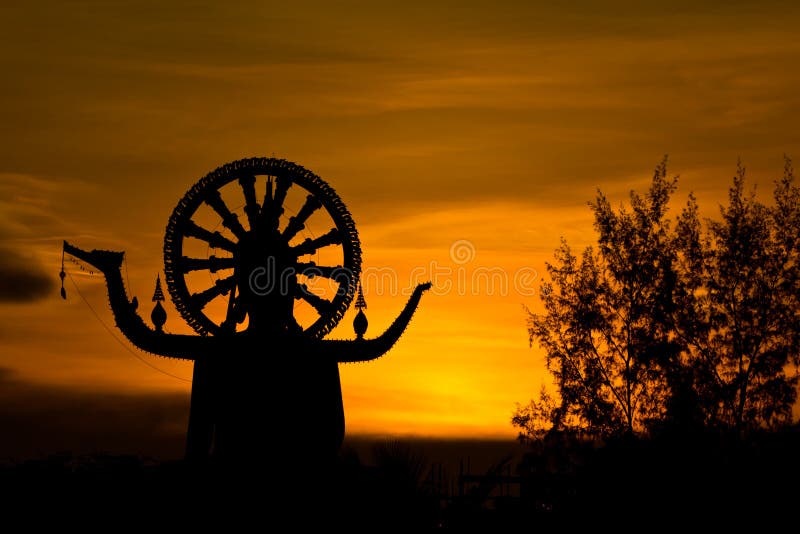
pixel 38 419
pixel 23 279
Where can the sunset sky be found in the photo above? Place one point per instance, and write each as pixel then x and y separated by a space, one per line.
pixel 487 125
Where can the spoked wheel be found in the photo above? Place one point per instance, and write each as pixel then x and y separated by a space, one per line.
pixel 257 264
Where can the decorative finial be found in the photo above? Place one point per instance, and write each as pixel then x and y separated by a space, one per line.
pixel 360 322
pixel 159 294
pixel 158 315
pixel 361 304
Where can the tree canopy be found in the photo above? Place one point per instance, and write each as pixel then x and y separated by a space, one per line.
pixel 684 322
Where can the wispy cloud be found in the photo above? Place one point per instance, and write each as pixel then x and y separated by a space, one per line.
pixel 22 279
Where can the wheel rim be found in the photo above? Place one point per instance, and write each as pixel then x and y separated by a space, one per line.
pixel 260 236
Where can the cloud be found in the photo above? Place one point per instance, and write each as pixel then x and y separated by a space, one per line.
pixel 31 229
pixel 39 419
pixel 22 279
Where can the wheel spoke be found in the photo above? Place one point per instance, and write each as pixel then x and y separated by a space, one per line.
pixel 251 208
pixel 298 222
pixel 220 287
pixel 215 239
pixel 212 263
pixel 337 273
pixel 235 314
pixel 229 220
pixel 268 205
pixel 320 304
pixel 273 205
pixel 309 246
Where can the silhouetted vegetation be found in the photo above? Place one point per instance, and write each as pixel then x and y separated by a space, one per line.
pixel 736 306
pixel 673 325
pixel 563 482
pixel 673 345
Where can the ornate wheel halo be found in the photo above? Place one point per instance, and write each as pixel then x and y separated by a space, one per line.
pixel 286 175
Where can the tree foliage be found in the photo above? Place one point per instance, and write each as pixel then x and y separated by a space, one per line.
pixel 736 312
pixel 603 327
pixel 695 321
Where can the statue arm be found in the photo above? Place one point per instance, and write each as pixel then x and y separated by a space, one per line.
pixel 363 350
pixel 127 319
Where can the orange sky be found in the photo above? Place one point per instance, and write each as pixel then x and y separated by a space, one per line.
pixel 487 122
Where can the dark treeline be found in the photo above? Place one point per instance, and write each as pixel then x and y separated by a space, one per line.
pixel 375 485
pixel 561 482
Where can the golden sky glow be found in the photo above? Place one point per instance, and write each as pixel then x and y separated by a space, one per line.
pixel 488 122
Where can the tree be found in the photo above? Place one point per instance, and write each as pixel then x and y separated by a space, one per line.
pixel 786 221
pixel 696 324
pixel 604 330
pixel 538 418
pixel 737 305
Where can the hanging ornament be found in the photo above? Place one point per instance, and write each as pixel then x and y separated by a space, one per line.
pixel 62 275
